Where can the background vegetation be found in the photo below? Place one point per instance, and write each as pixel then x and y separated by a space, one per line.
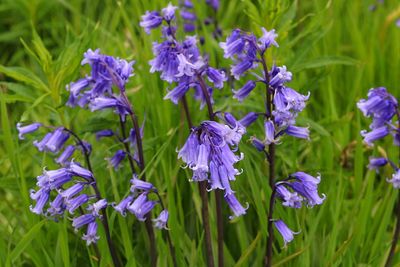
pixel 337 50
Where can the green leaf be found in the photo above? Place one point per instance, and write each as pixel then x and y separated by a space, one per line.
pixel 24 75
pixel 25 242
pixel 324 62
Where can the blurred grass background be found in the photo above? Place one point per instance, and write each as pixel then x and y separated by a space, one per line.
pixel 337 50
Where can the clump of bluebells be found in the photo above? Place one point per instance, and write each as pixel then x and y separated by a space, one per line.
pixel 180 62
pixel 384 110
pixel 73 188
pixel 66 189
pixel 210 148
pixel 283 104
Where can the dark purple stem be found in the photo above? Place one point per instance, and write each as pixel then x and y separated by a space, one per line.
pixel 271 163
pixel 204 199
pixel 148 224
pixel 218 195
pixel 93 183
pixel 126 145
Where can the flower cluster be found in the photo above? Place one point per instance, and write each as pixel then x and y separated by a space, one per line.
pixel 382 107
pixel 299 188
pixel 65 189
pixel 96 90
pixel 246 51
pixel 283 104
pixel 181 62
pixel 138 203
pixel 209 153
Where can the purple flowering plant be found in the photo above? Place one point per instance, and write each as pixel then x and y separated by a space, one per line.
pixel 282 106
pixel 383 108
pixel 211 148
pixel 72 188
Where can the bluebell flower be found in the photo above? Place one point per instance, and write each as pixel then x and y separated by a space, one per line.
pixel 169 12
pixel 78 170
pixel 141 206
pixel 104 133
pixel 41 144
pixel 284 230
pixel 116 160
pixel 299 132
pixel 217 77
pixel 376 163
pixel 151 20
pixel 307 186
pixel 91 234
pixel 83 220
pixel 177 93
pixel 241 67
pixel 235 206
pixel 269 128
pixel 63 159
pixel 395 179
pixel 279 76
pixel 74 203
pixel 161 221
pixel 381 105
pixel 290 199
pixel 72 191
pixel 375 134
pixel 258 144
pixel 30 128
pixel 97 206
pixel 267 39
pixel 123 205
pixel 234 44
pixel 243 92
pixel 57 206
pixel 41 200
pixel 56 140
pixel 138 184
pixel 249 119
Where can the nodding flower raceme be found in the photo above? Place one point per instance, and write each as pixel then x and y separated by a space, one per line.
pixel 384 110
pixel 139 204
pixel 181 62
pixel 66 189
pixel 210 153
pixel 62 191
pixel 381 106
pixel 247 51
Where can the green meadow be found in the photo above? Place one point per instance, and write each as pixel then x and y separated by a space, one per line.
pixel 337 50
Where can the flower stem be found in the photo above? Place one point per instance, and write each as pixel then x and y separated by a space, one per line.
pixel 104 219
pixel 148 224
pixel 218 195
pixel 204 199
pixel 126 146
pixel 271 163
pixel 396 235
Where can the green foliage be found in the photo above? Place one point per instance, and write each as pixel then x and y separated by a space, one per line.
pixel 337 50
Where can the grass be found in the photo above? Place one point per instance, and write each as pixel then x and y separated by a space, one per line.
pixel 337 50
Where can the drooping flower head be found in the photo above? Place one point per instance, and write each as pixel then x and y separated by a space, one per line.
pixel 209 153
pixel 382 107
pixel 181 62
